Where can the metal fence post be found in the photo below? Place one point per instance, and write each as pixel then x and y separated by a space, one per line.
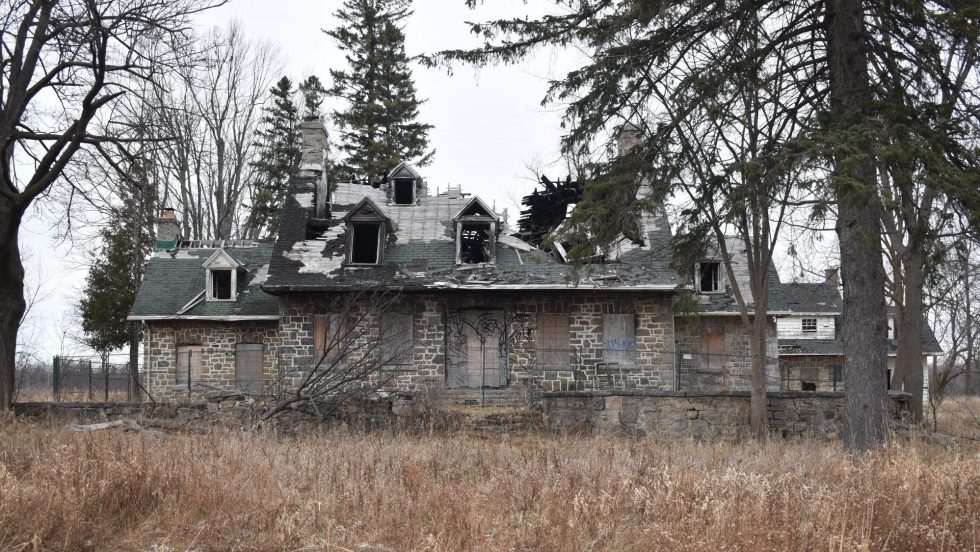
pixel 90 381
pixel 105 369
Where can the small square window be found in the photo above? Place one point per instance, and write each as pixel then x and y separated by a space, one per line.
pixel 709 277
pixel 221 284
pixel 809 325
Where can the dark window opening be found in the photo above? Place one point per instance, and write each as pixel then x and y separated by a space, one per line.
pixel 474 243
pixel 709 277
pixel 364 249
pixel 404 191
pixel 221 284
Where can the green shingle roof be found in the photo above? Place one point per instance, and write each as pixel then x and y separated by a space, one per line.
pixel 175 278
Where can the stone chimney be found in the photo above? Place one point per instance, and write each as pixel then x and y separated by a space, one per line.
pixel 627 137
pixel 313 161
pixel 832 277
pixel 168 227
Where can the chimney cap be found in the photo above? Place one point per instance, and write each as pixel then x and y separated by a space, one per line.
pixel 168 213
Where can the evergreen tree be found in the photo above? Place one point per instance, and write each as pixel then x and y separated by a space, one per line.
pixel 379 128
pixel 313 91
pixel 116 273
pixel 279 152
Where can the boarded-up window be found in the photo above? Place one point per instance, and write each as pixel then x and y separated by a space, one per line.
pixel 619 339
pixel 188 364
pixel 713 348
pixel 552 341
pixel 326 337
pixel 248 366
pixel 397 339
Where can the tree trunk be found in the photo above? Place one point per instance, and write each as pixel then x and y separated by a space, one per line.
pixel 12 303
pixel 908 330
pixel 859 217
pixel 134 356
pixel 758 408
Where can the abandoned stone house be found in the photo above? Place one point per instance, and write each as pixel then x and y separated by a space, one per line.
pixel 480 310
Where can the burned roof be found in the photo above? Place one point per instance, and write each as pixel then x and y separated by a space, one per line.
pixel 173 286
pixel 420 250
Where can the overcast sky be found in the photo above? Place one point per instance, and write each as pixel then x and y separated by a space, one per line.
pixel 489 125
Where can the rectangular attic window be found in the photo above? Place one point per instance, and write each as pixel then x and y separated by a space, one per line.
pixel 404 191
pixel 474 243
pixel 221 284
pixel 364 243
pixel 809 325
pixel 709 277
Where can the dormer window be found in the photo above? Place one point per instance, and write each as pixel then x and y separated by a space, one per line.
pixel 403 185
pixel 476 233
pixel 222 276
pixel 404 191
pixel 708 277
pixel 367 226
pixel 221 284
pixel 365 247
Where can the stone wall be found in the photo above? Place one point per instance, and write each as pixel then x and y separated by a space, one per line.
pixel 217 341
pixel 653 331
pixel 730 371
pixel 791 414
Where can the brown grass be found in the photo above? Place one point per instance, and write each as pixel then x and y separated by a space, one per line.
pixel 111 490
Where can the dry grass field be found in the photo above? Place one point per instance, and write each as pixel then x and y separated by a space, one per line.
pixel 236 490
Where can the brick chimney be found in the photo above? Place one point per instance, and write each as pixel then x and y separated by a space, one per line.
pixel 832 277
pixel 168 227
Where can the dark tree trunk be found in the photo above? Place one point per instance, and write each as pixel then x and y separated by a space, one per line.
pixel 758 408
pixel 12 303
pixel 135 392
pixel 858 220
pixel 908 330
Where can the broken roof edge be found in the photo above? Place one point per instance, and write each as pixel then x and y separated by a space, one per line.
pixel 286 288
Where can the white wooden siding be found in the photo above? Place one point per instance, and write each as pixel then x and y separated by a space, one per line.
pixel 791 327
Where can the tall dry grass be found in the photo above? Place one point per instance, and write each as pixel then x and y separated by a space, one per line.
pixel 111 490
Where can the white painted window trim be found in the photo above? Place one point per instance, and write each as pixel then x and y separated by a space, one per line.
pixel 721 275
pixel 379 256
pixel 234 284
pixel 803 325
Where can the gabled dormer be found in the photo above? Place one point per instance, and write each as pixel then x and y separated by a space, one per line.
pixel 367 227
pixel 404 185
pixel 476 227
pixel 222 276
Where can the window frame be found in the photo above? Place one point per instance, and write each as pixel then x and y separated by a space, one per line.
pixel 379 246
pixel 195 372
pixel 719 286
pixel 401 180
pixel 233 288
pixel 803 324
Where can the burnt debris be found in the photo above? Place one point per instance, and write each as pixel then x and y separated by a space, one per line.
pixel 546 209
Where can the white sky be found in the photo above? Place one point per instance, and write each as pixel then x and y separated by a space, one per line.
pixel 489 124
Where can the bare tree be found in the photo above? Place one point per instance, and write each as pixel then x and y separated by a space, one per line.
pixel 64 64
pixel 359 342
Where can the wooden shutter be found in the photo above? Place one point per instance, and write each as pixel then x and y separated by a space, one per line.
pixel 326 332
pixel 397 337
pixel 619 339
pixel 552 341
pixel 188 356
pixel 248 366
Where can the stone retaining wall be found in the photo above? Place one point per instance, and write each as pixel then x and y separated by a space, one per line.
pixel 639 412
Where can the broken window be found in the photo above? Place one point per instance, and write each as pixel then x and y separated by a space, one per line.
pixel 709 277
pixel 188 365
pixel 474 243
pixel 221 284
pixel 404 191
pixel 365 243
pixel 809 325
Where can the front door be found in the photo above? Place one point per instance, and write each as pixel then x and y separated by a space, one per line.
pixel 476 352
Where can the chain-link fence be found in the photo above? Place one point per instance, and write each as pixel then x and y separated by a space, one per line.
pixel 84 379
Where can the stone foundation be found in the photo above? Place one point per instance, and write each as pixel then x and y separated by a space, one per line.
pixel 791 414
